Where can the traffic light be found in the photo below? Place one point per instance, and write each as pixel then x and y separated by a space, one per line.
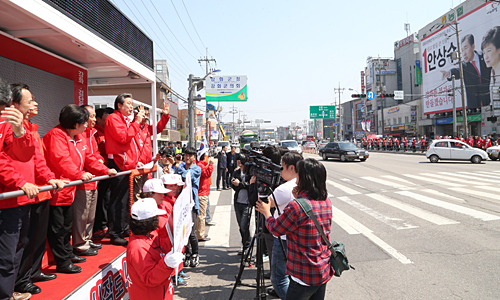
pixel 491 119
pixel 386 95
pixel 358 95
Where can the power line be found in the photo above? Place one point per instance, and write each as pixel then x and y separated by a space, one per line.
pixel 184 26
pixel 193 24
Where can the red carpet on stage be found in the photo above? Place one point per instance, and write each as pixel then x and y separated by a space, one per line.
pixel 65 284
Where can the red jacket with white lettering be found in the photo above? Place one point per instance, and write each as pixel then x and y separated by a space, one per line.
pixel 486 143
pixel 120 140
pixel 67 158
pixel 206 174
pixel 149 276
pixel 101 144
pixel 143 138
pixel 88 135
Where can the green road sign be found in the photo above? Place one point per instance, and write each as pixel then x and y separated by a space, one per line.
pixel 322 112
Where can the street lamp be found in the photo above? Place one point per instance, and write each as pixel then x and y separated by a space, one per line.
pixel 194 82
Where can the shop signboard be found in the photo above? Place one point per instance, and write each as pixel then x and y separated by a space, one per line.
pixel 393 109
pixel 398 128
pixel 226 88
pixel 438 67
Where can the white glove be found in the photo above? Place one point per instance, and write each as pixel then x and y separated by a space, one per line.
pixel 173 260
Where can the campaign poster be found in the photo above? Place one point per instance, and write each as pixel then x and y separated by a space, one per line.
pixel 183 222
pixel 480 43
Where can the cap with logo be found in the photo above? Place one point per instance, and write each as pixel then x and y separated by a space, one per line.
pixel 155 186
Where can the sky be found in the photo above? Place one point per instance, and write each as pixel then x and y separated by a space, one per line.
pixel 294 53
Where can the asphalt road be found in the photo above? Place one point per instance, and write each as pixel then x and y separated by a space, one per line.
pixel 412 230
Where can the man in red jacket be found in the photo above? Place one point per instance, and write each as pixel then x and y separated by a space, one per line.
pixel 206 165
pixel 84 205
pixel 123 154
pixel 16 174
pixel 487 143
pixel 67 154
pixel 143 140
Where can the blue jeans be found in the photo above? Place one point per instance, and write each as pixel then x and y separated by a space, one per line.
pixel 241 211
pixel 300 292
pixel 207 216
pixel 279 278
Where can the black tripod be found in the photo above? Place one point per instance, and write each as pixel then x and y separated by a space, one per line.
pixel 246 256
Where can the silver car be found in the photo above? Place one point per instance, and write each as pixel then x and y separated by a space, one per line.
pixel 448 149
pixel 493 152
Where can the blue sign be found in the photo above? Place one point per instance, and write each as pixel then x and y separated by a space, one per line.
pixel 211 107
pixel 335 124
pixel 370 95
pixel 444 121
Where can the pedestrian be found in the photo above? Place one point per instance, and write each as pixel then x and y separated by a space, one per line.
pixel 192 258
pixel 206 165
pixel 308 258
pixel 414 144
pixel 85 202
pixel 70 158
pixel 150 257
pixel 406 144
pixel 390 144
pixel 422 144
pixel 123 154
pixel 487 142
pixel 231 164
pixel 222 168
pixel 240 184
pixel 165 162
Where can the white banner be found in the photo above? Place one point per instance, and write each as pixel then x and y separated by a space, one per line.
pixel 438 68
pixel 183 222
pixel 363 125
pixel 368 125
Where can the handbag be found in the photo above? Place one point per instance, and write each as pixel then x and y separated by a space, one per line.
pixel 338 259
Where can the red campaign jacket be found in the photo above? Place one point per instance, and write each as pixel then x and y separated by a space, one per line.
pixel 33 171
pixel 378 142
pixel 384 142
pixel 42 196
pixel 22 148
pixel 120 141
pixel 67 158
pixel 486 143
pixel 414 142
pixel 206 174
pixel 149 276
pixel 397 142
pixel 390 143
pixel 101 145
pixel 471 142
pixel 479 142
pixel 89 136
pixel 143 139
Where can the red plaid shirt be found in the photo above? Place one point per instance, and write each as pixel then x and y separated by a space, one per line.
pixel 308 258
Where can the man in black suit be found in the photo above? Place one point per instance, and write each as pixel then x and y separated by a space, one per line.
pixel 231 164
pixel 476 74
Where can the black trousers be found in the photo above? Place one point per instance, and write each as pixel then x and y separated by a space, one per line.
pixel 118 203
pixel 229 175
pixel 192 245
pixel 34 248
pixel 59 234
pixel 221 174
pixel 101 212
pixel 14 225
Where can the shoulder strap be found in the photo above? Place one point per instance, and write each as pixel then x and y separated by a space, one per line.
pixel 308 210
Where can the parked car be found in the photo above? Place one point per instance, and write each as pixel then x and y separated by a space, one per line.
pixel 309 144
pixel 291 145
pixel 221 144
pixel 344 151
pixel 446 149
pixel 322 144
pixel 493 152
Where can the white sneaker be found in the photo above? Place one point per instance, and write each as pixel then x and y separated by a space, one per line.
pixel 265 258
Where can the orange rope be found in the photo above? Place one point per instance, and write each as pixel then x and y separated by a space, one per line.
pixel 133 174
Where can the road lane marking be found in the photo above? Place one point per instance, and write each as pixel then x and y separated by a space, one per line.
pixel 450 178
pixel 360 228
pixel 384 182
pixel 476 193
pixel 417 212
pixel 214 197
pixel 450 206
pixel 398 179
pixel 437 193
pixel 468 176
pixel 220 235
pixel 433 180
pixel 481 175
pixel 343 188
pixel 393 222
pixel 345 179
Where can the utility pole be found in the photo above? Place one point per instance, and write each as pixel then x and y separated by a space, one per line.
pixel 337 133
pixel 454 108
pixel 381 92
pixel 462 85
pixel 207 60
pixel 191 118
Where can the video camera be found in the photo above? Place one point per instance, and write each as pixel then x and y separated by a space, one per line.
pixel 256 164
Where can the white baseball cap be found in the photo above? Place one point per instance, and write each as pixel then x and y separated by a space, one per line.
pixel 172 179
pixel 145 208
pixel 155 186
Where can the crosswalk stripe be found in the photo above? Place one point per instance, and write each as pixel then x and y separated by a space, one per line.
pixel 338 214
pixel 437 193
pixel 384 182
pixel 450 178
pixel 488 173
pixel 476 193
pixel 481 175
pixel 491 188
pixel 343 188
pixel 450 206
pixel 398 179
pixel 214 197
pixel 433 180
pixel 417 212
pixel 467 176
pixel 396 223
pixel 220 236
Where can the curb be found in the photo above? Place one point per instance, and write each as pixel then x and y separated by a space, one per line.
pixel 398 152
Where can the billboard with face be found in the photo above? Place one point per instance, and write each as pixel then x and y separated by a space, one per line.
pixel 480 45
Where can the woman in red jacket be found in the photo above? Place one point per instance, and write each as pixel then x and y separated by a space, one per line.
pixel 123 154
pixel 150 257
pixel 67 154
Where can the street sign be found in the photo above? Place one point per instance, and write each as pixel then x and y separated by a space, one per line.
pixel 399 95
pixel 370 95
pixel 322 112
pixel 226 88
pixel 211 114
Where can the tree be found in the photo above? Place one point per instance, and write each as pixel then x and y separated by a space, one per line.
pixel 289 136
